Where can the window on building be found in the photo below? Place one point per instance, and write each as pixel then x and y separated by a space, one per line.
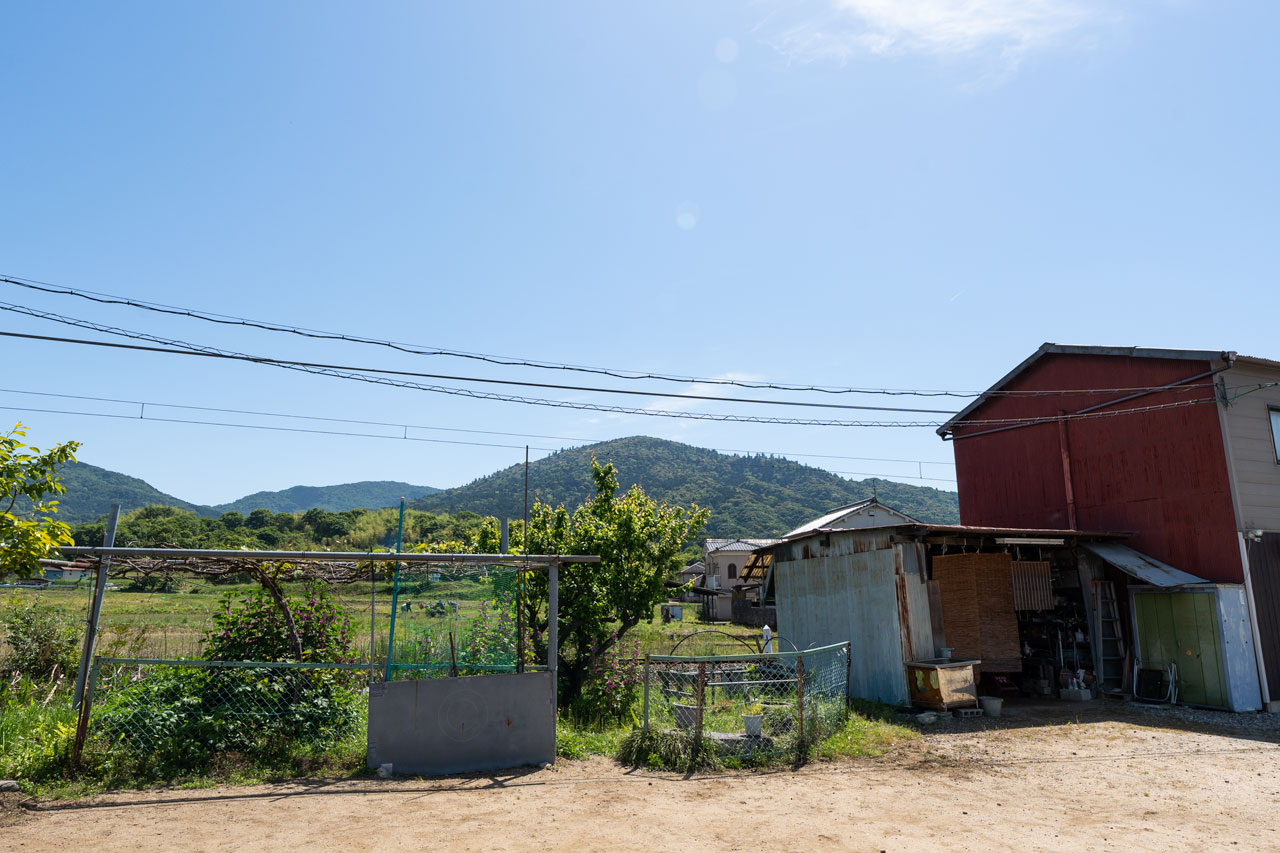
pixel 733 571
pixel 1275 432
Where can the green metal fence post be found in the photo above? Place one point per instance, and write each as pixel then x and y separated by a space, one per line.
pixel 395 598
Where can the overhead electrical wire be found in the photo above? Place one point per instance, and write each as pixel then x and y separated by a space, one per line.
pixel 404 427
pixel 485 395
pixel 214 351
pixel 510 361
pixel 473 394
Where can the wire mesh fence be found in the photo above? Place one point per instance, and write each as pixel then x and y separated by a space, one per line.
pixel 178 713
pixel 751 708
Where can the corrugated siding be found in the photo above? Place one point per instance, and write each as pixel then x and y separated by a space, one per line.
pixel 1162 474
pixel 853 597
pixel 1253 453
pixel 1264 571
pixel 1032 585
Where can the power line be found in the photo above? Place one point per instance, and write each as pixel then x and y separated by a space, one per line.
pixel 511 361
pixel 191 421
pixel 478 395
pixel 143 404
pixel 417 349
pixel 60 318
pixel 363 376
pixel 485 395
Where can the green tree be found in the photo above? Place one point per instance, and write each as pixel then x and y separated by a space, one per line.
pixel 28 530
pixel 639 542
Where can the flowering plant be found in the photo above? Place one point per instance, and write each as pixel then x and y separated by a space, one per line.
pixel 254 628
pixel 613 681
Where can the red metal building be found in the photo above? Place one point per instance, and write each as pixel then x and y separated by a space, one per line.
pixel 1178 447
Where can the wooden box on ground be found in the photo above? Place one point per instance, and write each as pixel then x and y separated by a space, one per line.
pixel 942 684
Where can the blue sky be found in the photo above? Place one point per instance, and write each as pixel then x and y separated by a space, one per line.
pixel 849 192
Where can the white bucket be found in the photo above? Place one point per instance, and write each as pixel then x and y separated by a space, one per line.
pixel 990 705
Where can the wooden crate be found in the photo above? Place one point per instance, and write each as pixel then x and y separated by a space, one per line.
pixel 942 684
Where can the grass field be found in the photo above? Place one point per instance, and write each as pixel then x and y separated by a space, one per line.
pixel 171 624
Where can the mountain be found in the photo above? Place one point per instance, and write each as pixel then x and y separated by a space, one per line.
pixel 367 494
pixel 91 491
pixel 748 495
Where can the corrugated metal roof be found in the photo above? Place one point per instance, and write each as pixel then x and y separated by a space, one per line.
pixel 921 529
pixel 1139 565
pixel 714 545
pixel 1068 349
pixel 840 512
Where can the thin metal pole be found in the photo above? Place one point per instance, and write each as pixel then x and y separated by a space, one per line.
pixel 553 621
pixel 520 573
pixel 95 608
pixel 373 617
pixel 646 692
pixel 395 598
pixel 800 699
pixel 82 723
pixel 702 696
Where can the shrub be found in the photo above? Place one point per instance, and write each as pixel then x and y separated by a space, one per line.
pixel 613 684
pixel 41 642
pixel 252 627
pixel 174 719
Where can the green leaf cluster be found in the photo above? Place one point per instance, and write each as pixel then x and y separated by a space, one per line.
pixel 29 532
pixel 639 541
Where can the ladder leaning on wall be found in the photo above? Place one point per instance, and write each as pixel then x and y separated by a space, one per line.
pixel 1111 648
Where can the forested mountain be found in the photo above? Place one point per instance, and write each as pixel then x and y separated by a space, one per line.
pixel 92 490
pixel 367 494
pixel 748 495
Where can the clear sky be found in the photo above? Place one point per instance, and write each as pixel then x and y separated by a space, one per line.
pixel 883 193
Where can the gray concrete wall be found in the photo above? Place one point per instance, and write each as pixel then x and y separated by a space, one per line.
pixel 458 725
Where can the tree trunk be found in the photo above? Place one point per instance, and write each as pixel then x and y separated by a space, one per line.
pixel 277 595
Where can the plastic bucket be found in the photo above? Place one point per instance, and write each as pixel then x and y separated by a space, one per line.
pixel 990 705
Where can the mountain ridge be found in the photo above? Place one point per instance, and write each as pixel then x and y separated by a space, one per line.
pixel 748 495
pixel 91 490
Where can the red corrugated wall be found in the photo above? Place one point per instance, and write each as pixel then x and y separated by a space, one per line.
pixel 1162 475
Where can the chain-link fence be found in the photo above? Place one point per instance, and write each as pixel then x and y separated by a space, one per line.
pixel 177 714
pixel 753 707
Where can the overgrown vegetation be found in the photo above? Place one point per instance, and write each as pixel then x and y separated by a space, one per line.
pixel 39 641
pixel 315 529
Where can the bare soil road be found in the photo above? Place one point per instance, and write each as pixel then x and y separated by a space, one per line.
pixel 1118 778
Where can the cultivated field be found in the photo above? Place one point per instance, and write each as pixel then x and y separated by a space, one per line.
pixel 171 624
pixel 1102 776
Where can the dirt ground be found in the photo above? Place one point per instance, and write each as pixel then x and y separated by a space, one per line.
pixel 1099 776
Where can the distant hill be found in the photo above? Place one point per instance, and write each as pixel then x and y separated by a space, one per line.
pixel 91 491
pixel 748 495
pixel 368 494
